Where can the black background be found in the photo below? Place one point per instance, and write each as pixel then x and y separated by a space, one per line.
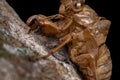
pixel 106 8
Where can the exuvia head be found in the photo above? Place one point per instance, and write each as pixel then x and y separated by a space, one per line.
pixel 73 5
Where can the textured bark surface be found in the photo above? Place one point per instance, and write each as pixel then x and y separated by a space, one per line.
pixel 17 48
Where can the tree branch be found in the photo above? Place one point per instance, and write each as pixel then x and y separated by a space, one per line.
pixel 16 41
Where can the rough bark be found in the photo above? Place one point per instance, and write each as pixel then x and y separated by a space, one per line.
pixel 17 47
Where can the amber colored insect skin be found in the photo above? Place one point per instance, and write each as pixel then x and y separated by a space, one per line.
pixel 85 32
